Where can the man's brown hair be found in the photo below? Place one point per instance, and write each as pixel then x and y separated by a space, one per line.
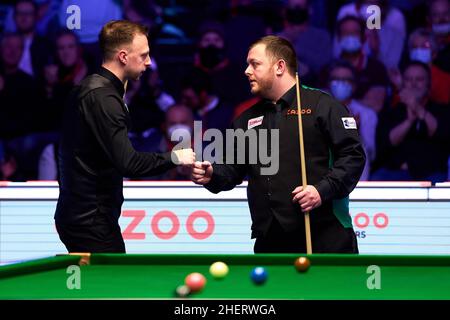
pixel 117 33
pixel 280 48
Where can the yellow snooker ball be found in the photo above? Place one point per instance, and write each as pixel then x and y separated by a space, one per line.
pixel 218 270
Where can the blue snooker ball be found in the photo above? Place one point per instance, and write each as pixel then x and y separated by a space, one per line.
pixel 259 275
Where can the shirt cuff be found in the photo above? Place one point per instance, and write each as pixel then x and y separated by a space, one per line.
pixel 212 185
pixel 167 156
pixel 324 189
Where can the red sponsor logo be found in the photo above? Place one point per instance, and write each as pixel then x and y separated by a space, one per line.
pixel 379 220
pixel 254 122
pixel 138 218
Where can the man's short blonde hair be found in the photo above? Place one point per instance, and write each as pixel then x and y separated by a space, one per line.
pixel 117 33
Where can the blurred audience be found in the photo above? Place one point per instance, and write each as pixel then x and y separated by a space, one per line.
pixel 47 167
pixel 439 22
pixel 94 14
pixel 423 47
pixel 36 48
pixel 372 80
pixel 179 119
pixel 147 101
pixel 241 15
pixel 198 95
pixel 312 45
pixel 9 170
pixel 201 48
pixel 18 91
pixel 60 76
pixel 413 138
pixel 342 85
pixel 385 44
pixel 211 59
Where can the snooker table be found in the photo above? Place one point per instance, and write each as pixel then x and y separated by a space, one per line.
pixel 137 276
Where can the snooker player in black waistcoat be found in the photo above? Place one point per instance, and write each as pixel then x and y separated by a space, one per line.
pixel 95 152
pixel 334 159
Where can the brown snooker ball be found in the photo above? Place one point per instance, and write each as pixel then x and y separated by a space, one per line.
pixel 302 264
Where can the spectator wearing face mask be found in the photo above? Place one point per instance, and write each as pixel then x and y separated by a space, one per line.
pixel 313 45
pixel 371 76
pixel 342 84
pixel 439 22
pixel 423 47
pixel 413 138
pixel 385 43
pixel 178 125
pixel 227 78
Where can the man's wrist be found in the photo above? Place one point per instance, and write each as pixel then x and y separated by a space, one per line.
pixel 324 190
pixel 173 156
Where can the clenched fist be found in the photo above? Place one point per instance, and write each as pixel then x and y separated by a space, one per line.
pixel 202 172
pixel 184 157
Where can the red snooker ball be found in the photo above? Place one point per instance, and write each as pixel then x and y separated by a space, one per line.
pixel 195 281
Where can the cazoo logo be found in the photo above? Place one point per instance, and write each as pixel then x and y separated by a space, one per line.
pixel 362 220
pixel 138 218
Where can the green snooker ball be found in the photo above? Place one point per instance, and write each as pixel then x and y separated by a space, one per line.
pixel 182 291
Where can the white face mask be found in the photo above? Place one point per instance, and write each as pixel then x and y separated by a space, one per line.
pixel 441 28
pixel 179 132
pixel 421 54
pixel 341 90
pixel 350 44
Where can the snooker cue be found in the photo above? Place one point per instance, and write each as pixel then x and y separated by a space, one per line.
pixel 303 165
